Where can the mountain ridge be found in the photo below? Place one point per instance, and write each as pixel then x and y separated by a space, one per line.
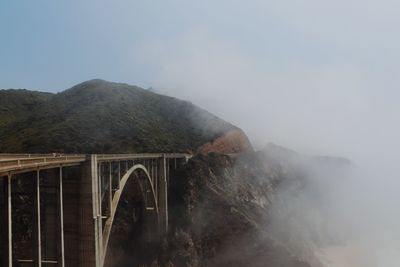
pixel 98 116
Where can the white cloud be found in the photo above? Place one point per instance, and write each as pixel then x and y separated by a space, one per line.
pixel 341 107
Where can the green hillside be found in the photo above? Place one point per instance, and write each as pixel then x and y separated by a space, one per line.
pixel 102 117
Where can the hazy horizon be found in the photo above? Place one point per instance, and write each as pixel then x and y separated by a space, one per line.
pixel 318 77
pixel 320 73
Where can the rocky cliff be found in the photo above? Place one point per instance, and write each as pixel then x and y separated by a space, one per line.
pixel 234 141
pixel 250 209
pixel 247 209
pixel 225 206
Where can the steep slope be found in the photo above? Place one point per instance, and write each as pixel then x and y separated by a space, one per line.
pixel 220 215
pixel 253 209
pixel 15 104
pixel 103 117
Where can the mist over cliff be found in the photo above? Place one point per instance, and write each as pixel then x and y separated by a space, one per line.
pixel 318 79
pixel 284 207
pixel 337 109
pixel 271 204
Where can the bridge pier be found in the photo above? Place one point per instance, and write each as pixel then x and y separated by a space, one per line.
pixel 90 225
pixel 37 247
pixel 163 194
pixel 61 246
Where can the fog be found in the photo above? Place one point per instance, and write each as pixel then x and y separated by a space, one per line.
pixel 316 111
pixel 339 99
pixel 319 77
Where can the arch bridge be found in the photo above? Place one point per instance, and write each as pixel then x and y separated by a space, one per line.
pixel 59 209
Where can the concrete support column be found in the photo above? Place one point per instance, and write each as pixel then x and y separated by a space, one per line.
pixel 156 182
pixel 38 244
pixel 119 175
pixel 110 190
pixel 90 215
pixel 163 193
pixel 61 250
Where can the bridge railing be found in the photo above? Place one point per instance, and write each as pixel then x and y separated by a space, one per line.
pixel 106 157
pixel 15 163
pixel 28 156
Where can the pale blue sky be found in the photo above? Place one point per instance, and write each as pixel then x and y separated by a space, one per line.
pixel 324 70
pixel 51 45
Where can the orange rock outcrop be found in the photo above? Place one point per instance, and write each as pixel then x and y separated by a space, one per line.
pixel 234 141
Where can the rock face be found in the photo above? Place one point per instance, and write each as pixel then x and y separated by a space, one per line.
pixel 220 210
pixel 250 209
pixel 234 141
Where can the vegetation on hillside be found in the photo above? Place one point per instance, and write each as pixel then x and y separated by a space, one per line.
pixel 103 117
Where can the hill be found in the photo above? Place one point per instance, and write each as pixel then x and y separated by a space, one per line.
pixel 97 116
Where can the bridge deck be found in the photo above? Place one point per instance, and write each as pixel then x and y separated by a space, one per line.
pixel 72 210
pixel 24 162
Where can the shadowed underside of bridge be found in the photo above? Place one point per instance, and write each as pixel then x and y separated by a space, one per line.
pixel 59 210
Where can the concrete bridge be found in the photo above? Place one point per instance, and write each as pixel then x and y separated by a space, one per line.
pixel 58 210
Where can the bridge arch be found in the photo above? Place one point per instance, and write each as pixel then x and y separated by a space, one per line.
pixel 88 193
pixel 117 196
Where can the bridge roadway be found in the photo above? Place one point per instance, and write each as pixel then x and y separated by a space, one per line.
pixel 58 209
